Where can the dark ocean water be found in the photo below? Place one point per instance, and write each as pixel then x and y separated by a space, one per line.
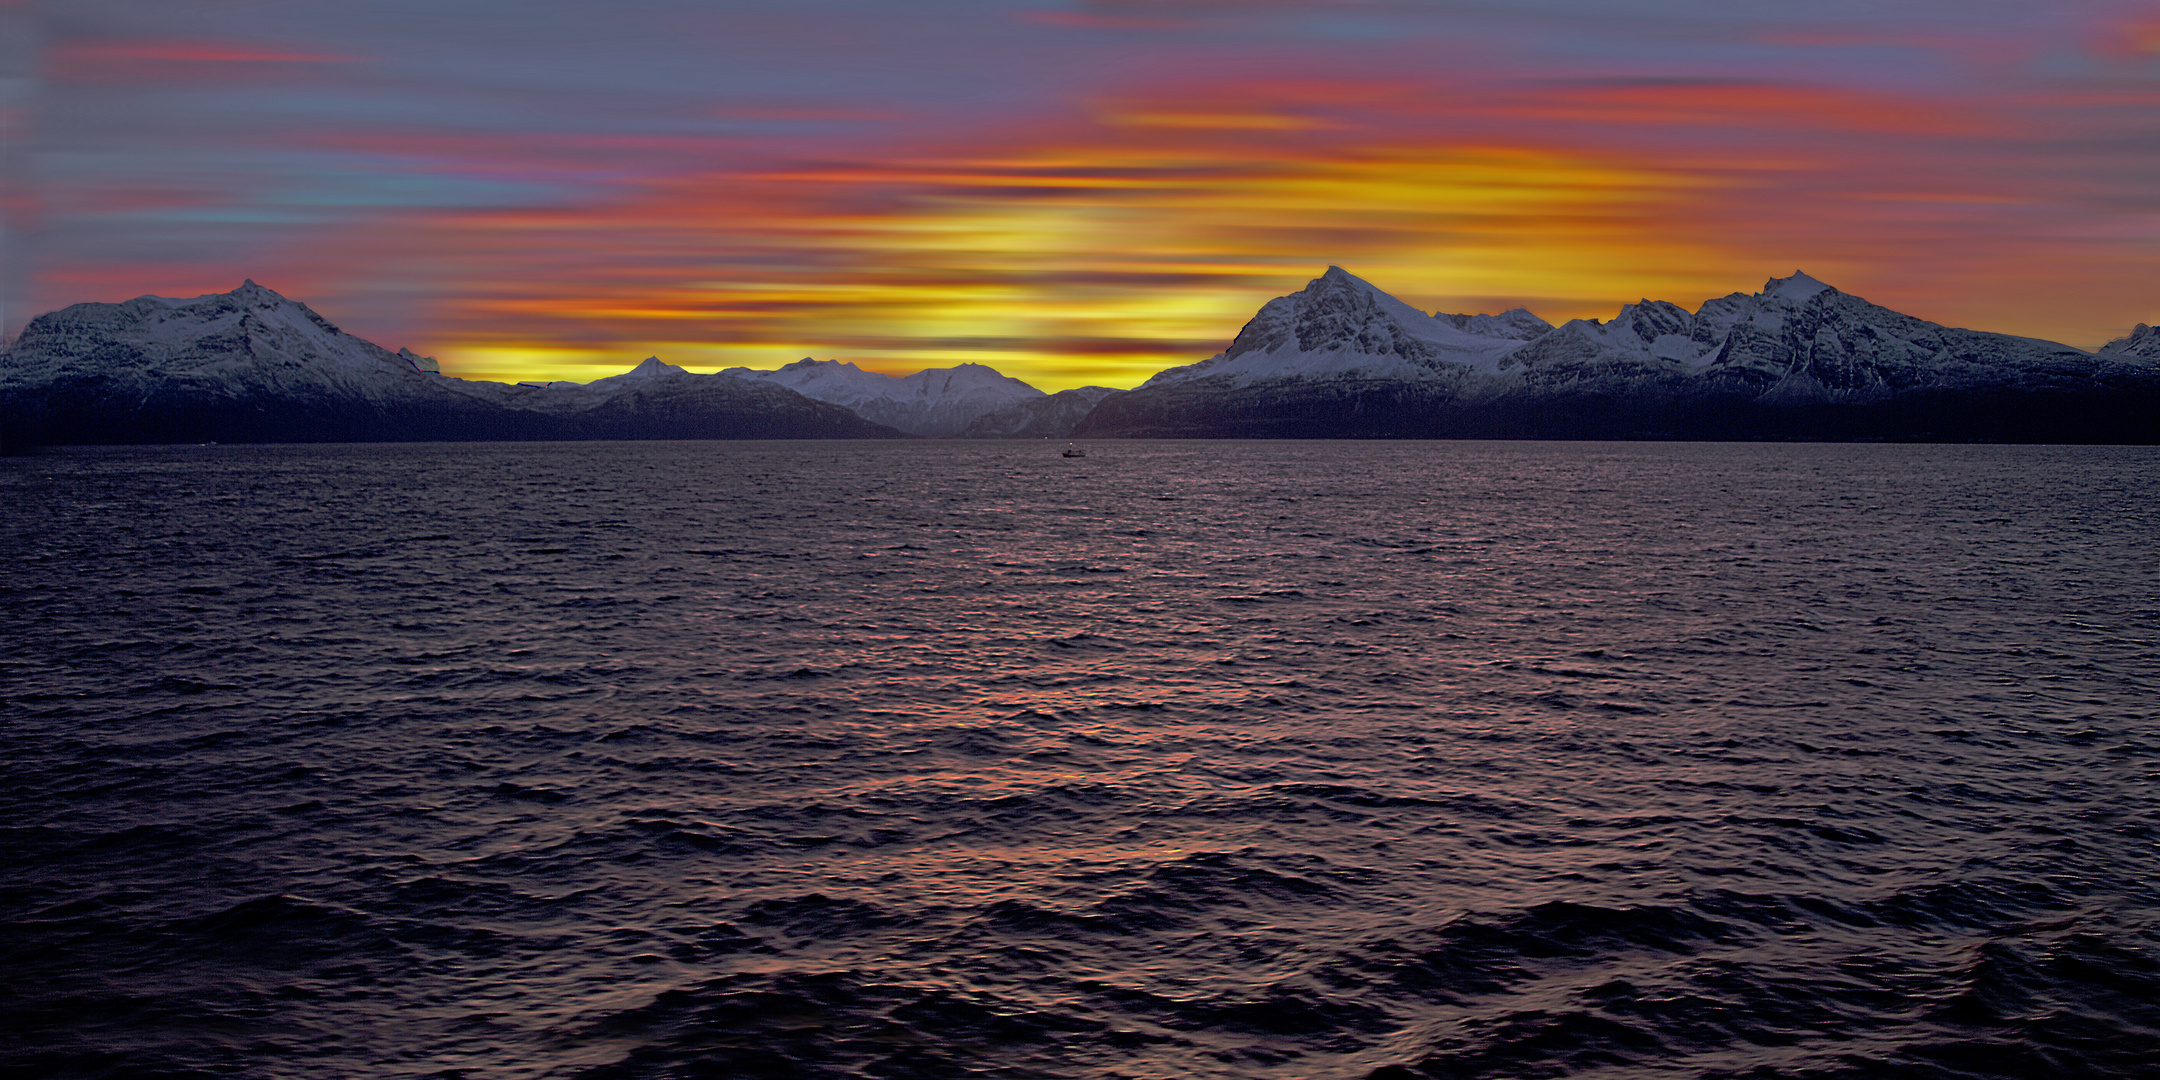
pixel 1296 760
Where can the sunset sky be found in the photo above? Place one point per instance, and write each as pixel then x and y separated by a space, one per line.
pixel 1073 192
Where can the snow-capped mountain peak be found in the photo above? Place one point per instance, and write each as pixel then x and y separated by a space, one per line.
pixel 649 372
pixel 2143 342
pixel 1343 327
pixel 652 367
pixel 216 340
pixel 251 365
pixel 1338 284
pixel 1797 289
pixel 1798 358
pixel 938 402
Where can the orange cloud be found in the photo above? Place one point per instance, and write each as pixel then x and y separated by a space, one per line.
pixel 1094 256
pixel 1110 242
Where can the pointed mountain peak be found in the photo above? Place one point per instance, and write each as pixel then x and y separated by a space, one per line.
pixel 1798 289
pixel 652 367
pixel 248 290
pixel 251 297
pixel 249 294
pixel 1338 277
pixel 2144 342
pixel 811 363
pixel 1339 286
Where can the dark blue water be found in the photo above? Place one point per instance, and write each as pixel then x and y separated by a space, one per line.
pixel 1298 760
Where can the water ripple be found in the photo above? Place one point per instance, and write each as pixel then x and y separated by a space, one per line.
pixel 1292 760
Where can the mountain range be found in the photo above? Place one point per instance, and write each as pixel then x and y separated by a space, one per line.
pixel 1799 359
pixel 1339 359
pixel 934 402
pixel 253 366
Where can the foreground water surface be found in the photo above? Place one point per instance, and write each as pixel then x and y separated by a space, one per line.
pixel 1288 760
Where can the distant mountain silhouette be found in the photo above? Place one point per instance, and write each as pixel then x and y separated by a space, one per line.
pixel 935 402
pixel 1051 417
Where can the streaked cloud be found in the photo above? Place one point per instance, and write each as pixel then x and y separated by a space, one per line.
pixel 1077 192
pixel 1091 255
pixel 142 60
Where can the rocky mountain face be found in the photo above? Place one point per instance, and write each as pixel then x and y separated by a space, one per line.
pixel 1051 417
pixel 1799 359
pixel 253 366
pixel 935 402
pixel 1516 323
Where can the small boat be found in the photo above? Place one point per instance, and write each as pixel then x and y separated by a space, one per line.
pixel 1074 451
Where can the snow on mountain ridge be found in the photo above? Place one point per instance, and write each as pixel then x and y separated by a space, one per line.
pixel 251 365
pixel 251 337
pixel 2142 342
pixel 1339 352
pixel 1341 326
pixel 1339 357
pixel 936 402
pixel 1517 323
pixel 1797 289
pixel 652 367
pixel 1797 341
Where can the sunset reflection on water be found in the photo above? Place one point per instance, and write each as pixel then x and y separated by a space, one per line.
pixel 1183 759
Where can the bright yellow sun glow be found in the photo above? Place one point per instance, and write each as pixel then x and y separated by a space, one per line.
pixel 1144 234
pixel 1065 268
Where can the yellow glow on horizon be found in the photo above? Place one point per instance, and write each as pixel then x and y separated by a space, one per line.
pixel 1066 266
pixel 1139 234
pixel 529 363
